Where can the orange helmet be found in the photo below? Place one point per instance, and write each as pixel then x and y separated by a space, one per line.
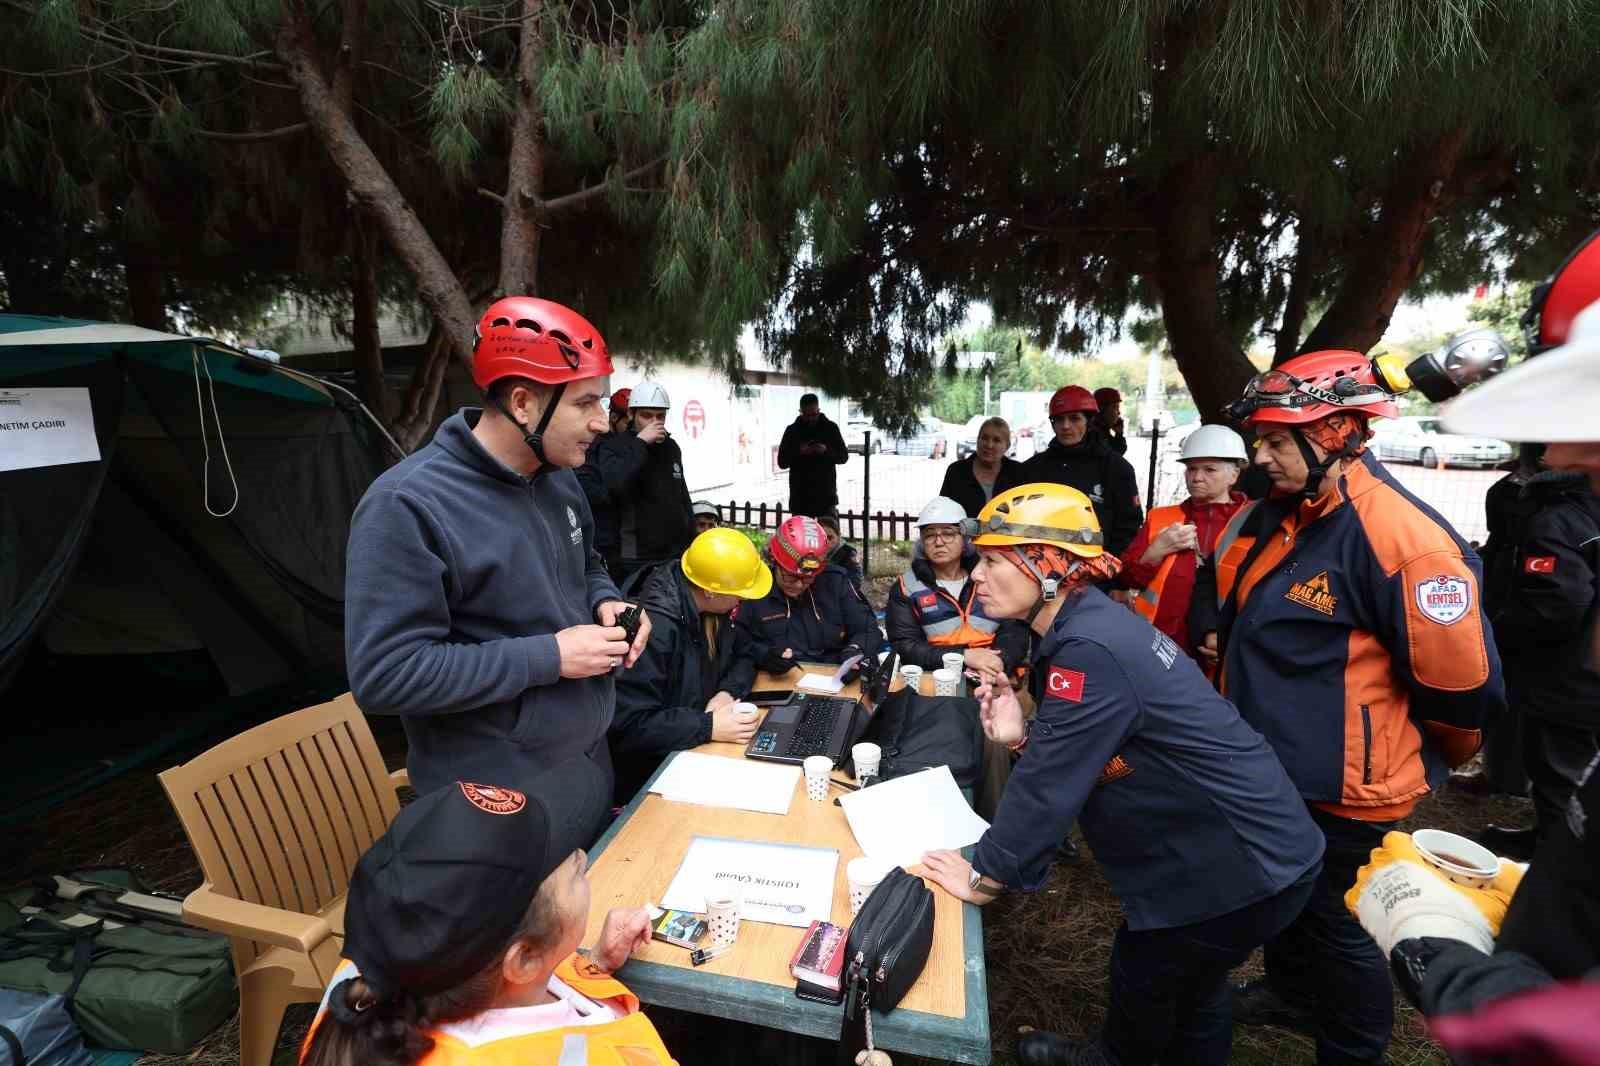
pixel 1072 398
pixel 1311 387
pixel 799 546
pixel 526 337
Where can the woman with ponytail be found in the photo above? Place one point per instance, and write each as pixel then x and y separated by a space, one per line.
pixel 1197 826
pixel 462 926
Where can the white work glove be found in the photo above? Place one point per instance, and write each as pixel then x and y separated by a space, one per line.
pixel 1403 900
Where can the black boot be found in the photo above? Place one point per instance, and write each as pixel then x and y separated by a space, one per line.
pixel 1039 1048
pixel 1511 842
pixel 1255 1003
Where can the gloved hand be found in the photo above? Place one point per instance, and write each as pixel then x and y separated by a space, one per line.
pixel 1398 895
pixel 850 650
pixel 777 663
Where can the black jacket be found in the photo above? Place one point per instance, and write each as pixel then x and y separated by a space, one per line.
pixel 1545 605
pixel 645 489
pixel 1115 436
pixel 1012 641
pixel 1099 473
pixel 961 485
pixel 813 479
pixel 661 699
pixel 827 618
pixel 602 504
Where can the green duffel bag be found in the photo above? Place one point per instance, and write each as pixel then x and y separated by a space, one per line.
pixel 147 986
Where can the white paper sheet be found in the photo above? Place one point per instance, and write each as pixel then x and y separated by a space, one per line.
pixel 819 683
pixel 780 884
pixel 900 819
pixel 46 427
pixel 715 781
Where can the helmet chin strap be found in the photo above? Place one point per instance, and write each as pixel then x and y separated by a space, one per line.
pixel 534 438
pixel 1317 469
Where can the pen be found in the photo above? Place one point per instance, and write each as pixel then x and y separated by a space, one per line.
pixel 701 956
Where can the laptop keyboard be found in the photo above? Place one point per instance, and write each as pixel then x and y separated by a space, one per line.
pixel 811 733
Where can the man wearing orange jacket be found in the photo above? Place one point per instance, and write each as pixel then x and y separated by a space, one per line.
pixel 1346 618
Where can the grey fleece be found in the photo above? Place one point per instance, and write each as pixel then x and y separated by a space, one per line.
pixel 459 574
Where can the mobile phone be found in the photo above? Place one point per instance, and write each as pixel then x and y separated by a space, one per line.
pixel 763 697
pixel 818 994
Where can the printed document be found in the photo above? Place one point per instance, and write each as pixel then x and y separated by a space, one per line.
pixel 713 781
pixel 780 884
pixel 897 821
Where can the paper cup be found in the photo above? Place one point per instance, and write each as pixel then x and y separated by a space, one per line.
pixel 866 756
pixel 945 682
pixel 817 768
pixel 722 917
pixel 863 874
pixel 746 712
pixel 1463 861
pixel 955 662
pixel 912 675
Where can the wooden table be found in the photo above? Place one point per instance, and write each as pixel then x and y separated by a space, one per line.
pixel 945 1015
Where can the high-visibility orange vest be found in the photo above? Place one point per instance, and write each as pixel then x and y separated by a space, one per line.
pixel 1150 596
pixel 945 622
pixel 626 1041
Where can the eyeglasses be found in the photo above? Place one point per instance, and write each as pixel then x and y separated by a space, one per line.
pixel 934 536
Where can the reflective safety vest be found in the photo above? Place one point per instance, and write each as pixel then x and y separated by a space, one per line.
pixel 1150 596
pixel 629 1040
pixel 945 621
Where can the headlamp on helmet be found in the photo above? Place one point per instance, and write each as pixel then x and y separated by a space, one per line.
pixel 1465 359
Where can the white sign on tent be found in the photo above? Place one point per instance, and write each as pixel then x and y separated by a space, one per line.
pixel 46 427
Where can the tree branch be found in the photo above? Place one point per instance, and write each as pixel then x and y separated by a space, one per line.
pixel 258 135
pixel 547 208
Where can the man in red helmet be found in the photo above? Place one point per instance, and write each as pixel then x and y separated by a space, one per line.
pixel 476 607
pixel 1085 461
pixel 1107 422
pixel 1347 619
pixel 813 613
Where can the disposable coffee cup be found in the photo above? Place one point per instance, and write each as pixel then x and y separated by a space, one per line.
pixel 863 875
pixel 866 756
pixel 722 917
pixel 945 682
pixel 817 768
pixel 745 712
pixel 1462 861
pixel 954 661
pixel 912 676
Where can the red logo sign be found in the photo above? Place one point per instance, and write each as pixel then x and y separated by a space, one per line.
pixel 694 418
pixel 1540 564
pixel 493 799
pixel 1064 684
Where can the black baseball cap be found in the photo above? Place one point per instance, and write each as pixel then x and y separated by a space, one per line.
pixel 439 895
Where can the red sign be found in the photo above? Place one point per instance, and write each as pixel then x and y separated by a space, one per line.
pixel 694 418
pixel 1064 684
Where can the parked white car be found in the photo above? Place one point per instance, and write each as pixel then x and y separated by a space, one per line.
pixel 1421 439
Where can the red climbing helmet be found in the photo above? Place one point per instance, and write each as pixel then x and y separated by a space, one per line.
pixel 526 337
pixel 1071 398
pixel 799 546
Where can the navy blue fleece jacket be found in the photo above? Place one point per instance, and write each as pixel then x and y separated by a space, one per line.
pixel 459 574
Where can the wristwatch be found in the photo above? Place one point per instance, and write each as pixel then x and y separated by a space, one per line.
pixel 975 884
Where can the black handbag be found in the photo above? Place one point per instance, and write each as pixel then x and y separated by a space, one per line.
pixel 917 732
pixel 884 955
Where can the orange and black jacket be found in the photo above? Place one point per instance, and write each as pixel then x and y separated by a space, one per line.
pixel 1353 637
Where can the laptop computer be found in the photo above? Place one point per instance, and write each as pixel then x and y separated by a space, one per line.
pixel 807 724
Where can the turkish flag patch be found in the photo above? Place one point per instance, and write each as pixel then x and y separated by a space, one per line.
pixel 1063 684
pixel 927 599
pixel 1540 564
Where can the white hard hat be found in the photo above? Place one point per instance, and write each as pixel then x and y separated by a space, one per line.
pixel 648 394
pixel 1213 442
pixel 1550 398
pixel 705 507
pixel 943 511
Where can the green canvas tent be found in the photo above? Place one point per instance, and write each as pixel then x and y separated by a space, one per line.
pixel 172 535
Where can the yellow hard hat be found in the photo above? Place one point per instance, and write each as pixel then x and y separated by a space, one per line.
pixel 724 561
pixel 1041 513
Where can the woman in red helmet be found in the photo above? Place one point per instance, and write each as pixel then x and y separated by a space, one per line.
pixel 476 606
pixel 1082 459
pixel 814 613
pixel 1347 621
